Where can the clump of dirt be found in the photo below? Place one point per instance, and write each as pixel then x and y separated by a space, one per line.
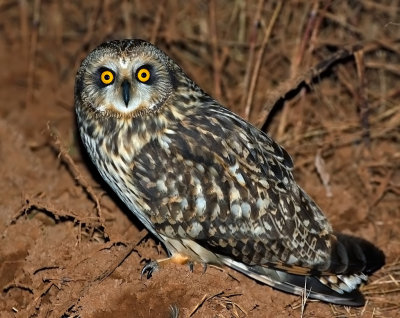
pixel 328 70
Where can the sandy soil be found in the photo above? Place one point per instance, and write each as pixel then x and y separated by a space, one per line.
pixel 69 248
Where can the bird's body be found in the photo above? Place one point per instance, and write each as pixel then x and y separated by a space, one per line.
pixel 207 183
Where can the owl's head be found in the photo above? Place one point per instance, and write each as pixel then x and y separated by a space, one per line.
pixel 125 78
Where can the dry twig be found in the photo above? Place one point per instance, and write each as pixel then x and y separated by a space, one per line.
pixel 80 179
pixel 260 55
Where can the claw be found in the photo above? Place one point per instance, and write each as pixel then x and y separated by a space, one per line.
pixel 153 266
pixel 148 269
pixel 204 268
pixel 191 266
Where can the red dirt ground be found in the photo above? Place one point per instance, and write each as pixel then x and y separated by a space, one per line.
pixel 64 255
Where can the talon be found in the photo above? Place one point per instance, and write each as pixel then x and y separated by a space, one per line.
pixel 204 268
pixel 148 269
pixel 153 266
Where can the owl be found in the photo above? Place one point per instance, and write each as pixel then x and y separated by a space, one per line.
pixel 210 186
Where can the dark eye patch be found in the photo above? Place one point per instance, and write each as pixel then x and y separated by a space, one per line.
pixel 98 74
pixel 139 74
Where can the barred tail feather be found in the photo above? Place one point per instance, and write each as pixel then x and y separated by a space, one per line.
pixel 352 259
pixel 298 284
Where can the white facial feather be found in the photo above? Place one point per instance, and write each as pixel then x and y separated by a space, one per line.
pixel 142 96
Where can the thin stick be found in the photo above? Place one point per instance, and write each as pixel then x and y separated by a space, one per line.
pixel 305 40
pixel 117 263
pixel 363 100
pixel 304 298
pixel 198 305
pixel 214 46
pixel 66 158
pixel 259 59
pixel 31 204
pixel 299 81
pixel 252 47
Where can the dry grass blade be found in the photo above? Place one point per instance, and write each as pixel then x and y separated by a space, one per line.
pixel 304 298
pixel 252 48
pixel 215 54
pixel 388 281
pixel 363 100
pixel 118 262
pixel 382 294
pixel 225 299
pixel 260 55
pixel 198 306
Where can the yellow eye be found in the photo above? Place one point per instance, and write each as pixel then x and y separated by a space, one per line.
pixel 107 77
pixel 143 75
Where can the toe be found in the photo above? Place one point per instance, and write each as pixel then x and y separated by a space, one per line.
pixel 149 269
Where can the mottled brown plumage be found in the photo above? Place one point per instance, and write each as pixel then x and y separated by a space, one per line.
pixel 213 188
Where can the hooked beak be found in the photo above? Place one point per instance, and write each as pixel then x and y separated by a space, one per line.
pixel 126 88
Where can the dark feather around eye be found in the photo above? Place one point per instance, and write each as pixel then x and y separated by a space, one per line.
pixel 97 76
pixel 151 69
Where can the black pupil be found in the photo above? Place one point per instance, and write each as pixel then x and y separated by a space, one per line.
pixel 143 75
pixel 106 77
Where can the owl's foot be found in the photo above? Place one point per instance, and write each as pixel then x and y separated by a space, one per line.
pixel 153 266
pixel 149 269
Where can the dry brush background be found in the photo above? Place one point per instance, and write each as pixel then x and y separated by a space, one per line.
pixel 328 70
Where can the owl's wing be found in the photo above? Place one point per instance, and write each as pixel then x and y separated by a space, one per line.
pixel 218 180
pixel 240 188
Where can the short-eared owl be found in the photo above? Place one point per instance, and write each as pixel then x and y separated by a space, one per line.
pixel 210 186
